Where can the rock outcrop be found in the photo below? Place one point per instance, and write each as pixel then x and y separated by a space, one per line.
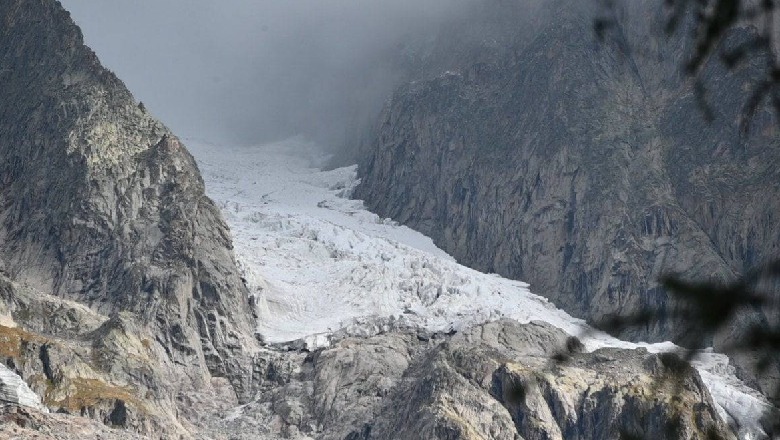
pixel 25 423
pixel 586 169
pixel 494 381
pixel 117 270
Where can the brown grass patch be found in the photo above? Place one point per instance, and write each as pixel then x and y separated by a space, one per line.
pixel 90 392
pixel 12 339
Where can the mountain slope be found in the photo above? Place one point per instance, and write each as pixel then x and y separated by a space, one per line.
pixel 584 168
pixel 103 206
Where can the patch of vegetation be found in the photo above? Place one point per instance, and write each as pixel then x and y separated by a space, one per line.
pixel 12 340
pixel 86 393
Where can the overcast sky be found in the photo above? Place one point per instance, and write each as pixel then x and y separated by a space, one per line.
pixel 251 70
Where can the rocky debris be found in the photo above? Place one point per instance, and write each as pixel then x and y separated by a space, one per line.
pixel 492 381
pixel 14 390
pixel 585 169
pixel 25 423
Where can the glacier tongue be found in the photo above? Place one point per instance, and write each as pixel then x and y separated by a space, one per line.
pixel 318 263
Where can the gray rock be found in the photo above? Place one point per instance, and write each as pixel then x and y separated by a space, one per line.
pixel 584 169
pixel 26 423
pixel 114 265
pixel 121 305
pixel 492 381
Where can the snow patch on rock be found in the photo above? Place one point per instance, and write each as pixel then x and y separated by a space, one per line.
pixel 14 390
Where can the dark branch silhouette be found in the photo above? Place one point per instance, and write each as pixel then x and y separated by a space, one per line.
pixel 707 23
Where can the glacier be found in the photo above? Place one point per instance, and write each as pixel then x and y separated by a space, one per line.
pixel 318 264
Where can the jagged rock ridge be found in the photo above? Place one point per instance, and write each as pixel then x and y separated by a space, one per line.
pixel 468 386
pixel 102 205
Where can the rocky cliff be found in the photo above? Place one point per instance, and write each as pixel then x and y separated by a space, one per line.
pixel 103 207
pixel 585 168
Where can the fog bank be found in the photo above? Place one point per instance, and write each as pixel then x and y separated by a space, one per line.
pixel 251 71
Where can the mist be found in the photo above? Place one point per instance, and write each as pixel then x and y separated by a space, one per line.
pixel 253 71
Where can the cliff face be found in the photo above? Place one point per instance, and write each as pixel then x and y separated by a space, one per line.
pixel 584 168
pixel 100 204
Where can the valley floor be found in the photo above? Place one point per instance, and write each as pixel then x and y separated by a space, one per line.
pixel 318 264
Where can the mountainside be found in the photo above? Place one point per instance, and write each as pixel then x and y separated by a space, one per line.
pixel 586 169
pixel 101 205
pixel 124 314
